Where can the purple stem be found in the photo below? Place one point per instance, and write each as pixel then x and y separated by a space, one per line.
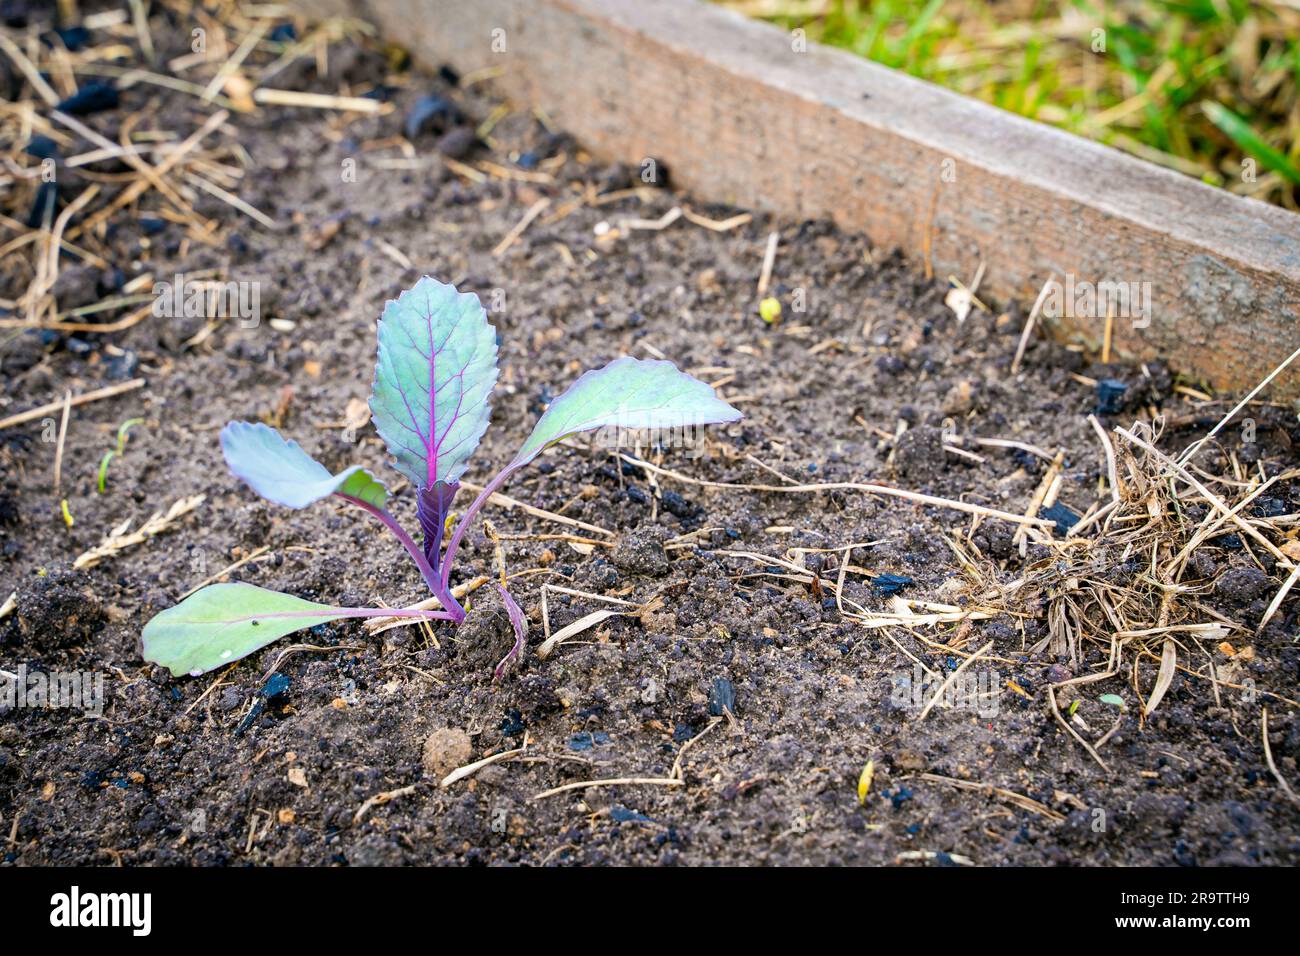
pixel 360 612
pixel 519 623
pixel 473 509
pixel 437 583
pixel 402 612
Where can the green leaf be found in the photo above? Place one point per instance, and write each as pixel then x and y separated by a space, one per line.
pixel 280 471
pixel 436 370
pixel 224 622
pixel 1113 699
pixel 103 470
pixel 627 393
pixel 124 431
pixel 1250 142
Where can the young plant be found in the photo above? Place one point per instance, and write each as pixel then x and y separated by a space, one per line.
pixel 123 432
pixel 433 381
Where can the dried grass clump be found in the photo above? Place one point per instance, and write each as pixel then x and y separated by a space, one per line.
pixel 1126 581
pixel 67 184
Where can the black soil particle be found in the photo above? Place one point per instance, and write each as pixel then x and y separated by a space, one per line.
pixel 76 286
pixel 641 551
pixel 486 635
pixel 58 609
pixel 1242 585
pixel 919 455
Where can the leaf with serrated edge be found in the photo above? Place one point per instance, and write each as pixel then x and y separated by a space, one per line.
pixel 436 370
pixel 280 471
pixel 224 622
pixel 627 393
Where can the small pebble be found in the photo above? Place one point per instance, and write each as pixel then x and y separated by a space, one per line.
pixel 446 749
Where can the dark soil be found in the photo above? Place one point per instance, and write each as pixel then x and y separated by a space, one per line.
pixel 176 772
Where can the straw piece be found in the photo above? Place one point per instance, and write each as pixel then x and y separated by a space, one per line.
pixel 318 101
pixel 1028 330
pixel 46 409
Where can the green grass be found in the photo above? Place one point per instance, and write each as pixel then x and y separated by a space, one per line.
pixel 1207 87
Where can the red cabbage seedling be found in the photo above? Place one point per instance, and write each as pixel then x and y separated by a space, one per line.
pixel 434 377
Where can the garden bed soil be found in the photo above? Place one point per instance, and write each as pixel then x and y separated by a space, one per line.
pixel 791 698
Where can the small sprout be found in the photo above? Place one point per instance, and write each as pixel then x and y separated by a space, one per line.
pixel 122 432
pixel 1113 699
pixel 1075 706
pixel 864 782
pixel 770 310
pixel 436 369
pixel 67 515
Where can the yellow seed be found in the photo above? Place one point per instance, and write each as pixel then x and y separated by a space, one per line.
pixel 864 781
pixel 67 515
pixel 770 310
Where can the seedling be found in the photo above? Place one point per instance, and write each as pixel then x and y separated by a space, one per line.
pixel 123 431
pixel 434 377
